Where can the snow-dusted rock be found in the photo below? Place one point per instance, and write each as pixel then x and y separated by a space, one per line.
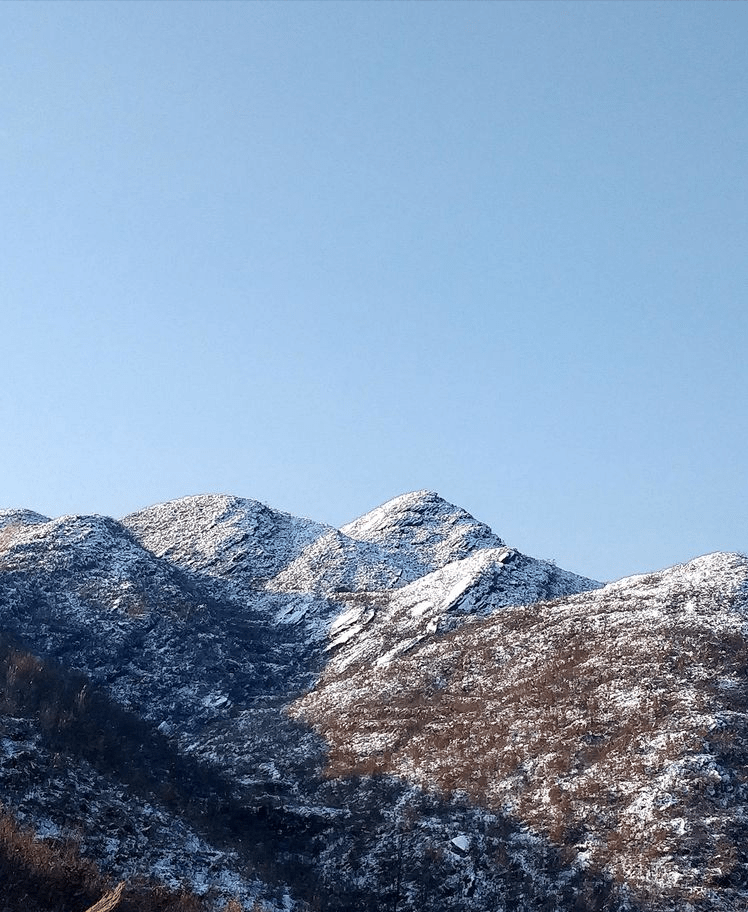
pixel 422 531
pixel 382 626
pixel 17 519
pixel 234 539
pixel 335 563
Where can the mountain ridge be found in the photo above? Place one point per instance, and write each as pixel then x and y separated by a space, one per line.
pixel 401 713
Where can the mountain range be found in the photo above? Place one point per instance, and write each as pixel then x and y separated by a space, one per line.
pixel 228 707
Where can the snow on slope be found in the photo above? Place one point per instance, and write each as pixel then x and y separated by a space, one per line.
pixel 402 543
pixel 610 724
pixel 336 563
pixel 20 518
pixel 254 546
pixel 78 546
pixel 380 626
pixel 422 531
pixel 388 547
pixel 232 538
pixel 193 675
pixel 614 721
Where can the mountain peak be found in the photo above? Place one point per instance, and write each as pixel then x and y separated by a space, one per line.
pixel 221 534
pixel 21 518
pixel 423 528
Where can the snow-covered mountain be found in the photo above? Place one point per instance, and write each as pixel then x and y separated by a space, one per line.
pixel 214 696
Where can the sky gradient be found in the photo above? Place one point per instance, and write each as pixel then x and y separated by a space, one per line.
pixel 320 254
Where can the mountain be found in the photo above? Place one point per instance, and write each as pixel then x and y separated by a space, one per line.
pixel 220 703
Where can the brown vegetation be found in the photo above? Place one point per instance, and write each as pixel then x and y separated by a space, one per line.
pixel 613 725
pixel 41 875
pixel 110 900
pixel 45 875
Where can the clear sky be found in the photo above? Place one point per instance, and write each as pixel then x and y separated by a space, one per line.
pixel 320 254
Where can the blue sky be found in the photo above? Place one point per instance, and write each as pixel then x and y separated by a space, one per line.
pixel 320 254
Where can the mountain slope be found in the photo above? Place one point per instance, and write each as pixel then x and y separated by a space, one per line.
pixel 232 538
pixel 614 723
pixel 378 626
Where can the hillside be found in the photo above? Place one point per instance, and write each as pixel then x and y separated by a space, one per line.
pixel 216 701
pixel 612 723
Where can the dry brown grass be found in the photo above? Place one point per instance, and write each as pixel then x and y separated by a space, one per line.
pixel 566 717
pixel 110 900
pixel 47 875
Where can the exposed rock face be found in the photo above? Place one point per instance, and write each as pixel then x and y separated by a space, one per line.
pixel 404 713
pixel 377 627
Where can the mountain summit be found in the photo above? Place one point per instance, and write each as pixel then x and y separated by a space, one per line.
pixel 423 530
